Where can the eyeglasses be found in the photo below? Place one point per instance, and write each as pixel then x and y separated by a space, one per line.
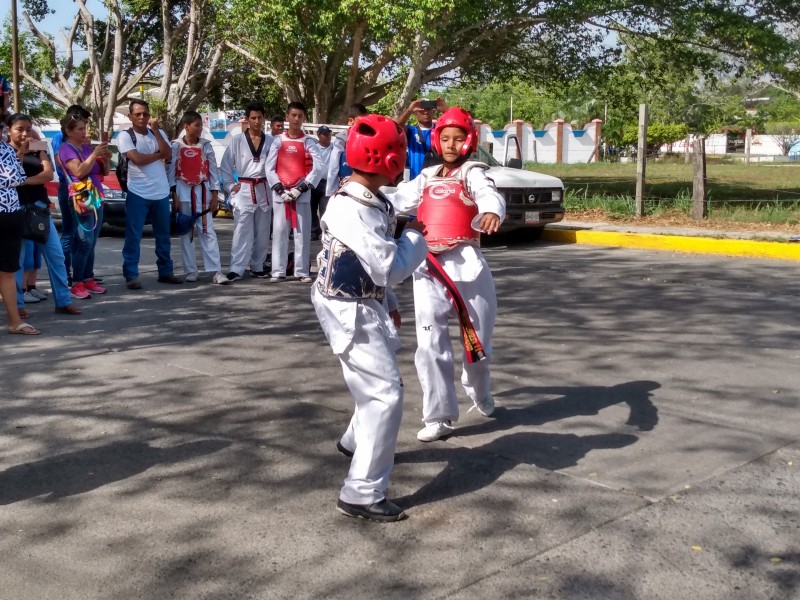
pixel 140 114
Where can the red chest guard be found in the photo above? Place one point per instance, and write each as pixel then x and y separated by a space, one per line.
pixel 448 211
pixel 292 165
pixel 192 166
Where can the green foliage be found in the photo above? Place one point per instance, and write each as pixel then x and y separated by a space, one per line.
pixel 37 9
pixel 34 103
pixel 657 134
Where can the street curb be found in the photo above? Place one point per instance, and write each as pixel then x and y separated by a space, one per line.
pixel 676 243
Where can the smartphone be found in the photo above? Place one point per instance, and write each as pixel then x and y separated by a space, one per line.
pixel 37 145
pixel 428 104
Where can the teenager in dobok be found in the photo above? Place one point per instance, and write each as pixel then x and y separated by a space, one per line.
pixel 294 167
pixel 244 177
pixel 194 182
pixel 458 202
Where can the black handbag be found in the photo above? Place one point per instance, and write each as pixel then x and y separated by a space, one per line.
pixel 37 224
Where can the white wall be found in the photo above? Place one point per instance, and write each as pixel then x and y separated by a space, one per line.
pixel 540 145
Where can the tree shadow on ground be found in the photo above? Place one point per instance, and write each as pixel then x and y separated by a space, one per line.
pixel 85 470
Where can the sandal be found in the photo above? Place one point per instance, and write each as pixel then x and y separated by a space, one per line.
pixel 24 329
pixel 23 314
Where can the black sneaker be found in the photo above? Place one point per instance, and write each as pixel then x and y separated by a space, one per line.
pixel 384 511
pixel 233 276
pixel 258 274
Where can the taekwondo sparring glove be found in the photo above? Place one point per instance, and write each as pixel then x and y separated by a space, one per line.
pixel 302 186
pixel 279 189
pixel 294 194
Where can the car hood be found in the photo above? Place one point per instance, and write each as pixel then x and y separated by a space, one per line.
pixel 505 177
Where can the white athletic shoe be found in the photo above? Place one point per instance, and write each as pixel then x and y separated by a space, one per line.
pixel 30 298
pixel 37 293
pixel 485 407
pixel 191 277
pixel 220 278
pixel 435 431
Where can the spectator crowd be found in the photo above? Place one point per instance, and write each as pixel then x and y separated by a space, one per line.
pixel 278 181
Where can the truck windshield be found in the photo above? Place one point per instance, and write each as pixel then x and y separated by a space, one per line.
pixel 483 156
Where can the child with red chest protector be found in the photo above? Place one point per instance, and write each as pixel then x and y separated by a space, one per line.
pixel 360 259
pixel 194 182
pixel 294 168
pixel 457 202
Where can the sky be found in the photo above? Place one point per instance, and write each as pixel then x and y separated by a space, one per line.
pixel 65 12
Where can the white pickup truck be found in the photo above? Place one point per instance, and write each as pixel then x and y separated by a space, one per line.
pixel 532 199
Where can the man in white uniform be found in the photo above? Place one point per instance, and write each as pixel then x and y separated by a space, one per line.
pixel 359 260
pixel 243 170
pixel 294 167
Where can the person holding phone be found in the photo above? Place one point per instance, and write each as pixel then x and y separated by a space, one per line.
pixel 38 169
pixel 68 224
pixel 420 153
pixel 80 161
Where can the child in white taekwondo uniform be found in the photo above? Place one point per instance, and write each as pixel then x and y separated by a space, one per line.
pixel 294 167
pixel 359 260
pixel 244 176
pixel 457 201
pixel 195 192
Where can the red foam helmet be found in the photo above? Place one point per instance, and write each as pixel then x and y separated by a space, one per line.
pixel 376 144
pixel 456 117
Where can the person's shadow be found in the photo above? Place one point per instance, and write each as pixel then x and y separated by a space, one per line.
pixel 573 402
pixel 470 469
pixel 85 470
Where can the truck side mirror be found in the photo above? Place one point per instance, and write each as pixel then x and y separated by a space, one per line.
pixel 513 153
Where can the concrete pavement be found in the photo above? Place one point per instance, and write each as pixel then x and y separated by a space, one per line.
pixel 178 442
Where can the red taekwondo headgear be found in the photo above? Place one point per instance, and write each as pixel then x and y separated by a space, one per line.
pixel 376 144
pixel 456 117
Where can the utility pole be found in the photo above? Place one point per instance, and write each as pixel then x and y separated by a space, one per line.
pixel 641 160
pixel 15 56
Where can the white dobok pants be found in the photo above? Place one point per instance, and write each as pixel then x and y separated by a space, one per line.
pixel 302 236
pixel 369 365
pixel 435 356
pixel 209 246
pixel 251 229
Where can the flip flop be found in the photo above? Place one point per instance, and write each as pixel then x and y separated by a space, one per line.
pixel 24 329
pixel 23 314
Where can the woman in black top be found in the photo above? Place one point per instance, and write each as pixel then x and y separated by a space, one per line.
pixel 11 223
pixel 39 169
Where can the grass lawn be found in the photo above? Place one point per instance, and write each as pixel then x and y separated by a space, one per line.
pixel 759 193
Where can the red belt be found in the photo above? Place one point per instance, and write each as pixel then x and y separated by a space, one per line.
pixel 472 345
pixel 254 181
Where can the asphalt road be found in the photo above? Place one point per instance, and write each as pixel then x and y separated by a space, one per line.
pixel 178 442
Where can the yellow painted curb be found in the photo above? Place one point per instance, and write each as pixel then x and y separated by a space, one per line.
pixel 676 243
